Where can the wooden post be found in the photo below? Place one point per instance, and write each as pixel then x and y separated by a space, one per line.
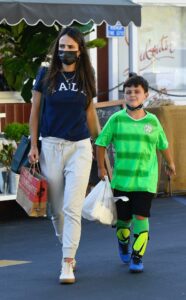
pixel 2 116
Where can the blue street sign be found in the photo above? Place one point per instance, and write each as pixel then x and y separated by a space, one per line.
pixel 115 31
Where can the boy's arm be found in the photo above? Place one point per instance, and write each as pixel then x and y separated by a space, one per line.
pixel 170 170
pixel 100 153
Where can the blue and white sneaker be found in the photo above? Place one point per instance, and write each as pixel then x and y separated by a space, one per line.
pixel 136 264
pixel 124 252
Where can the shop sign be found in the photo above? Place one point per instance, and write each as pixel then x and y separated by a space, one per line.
pixel 115 30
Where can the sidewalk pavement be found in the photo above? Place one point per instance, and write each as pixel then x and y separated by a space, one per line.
pixel 100 274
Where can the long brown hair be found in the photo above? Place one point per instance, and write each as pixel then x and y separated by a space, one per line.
pixel 84 71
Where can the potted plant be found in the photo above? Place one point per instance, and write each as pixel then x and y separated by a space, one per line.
pixel 7 149
pixel 8 144
pixel 6 154
pixel 15 130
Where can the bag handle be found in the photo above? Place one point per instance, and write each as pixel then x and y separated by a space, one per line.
pixel 34 167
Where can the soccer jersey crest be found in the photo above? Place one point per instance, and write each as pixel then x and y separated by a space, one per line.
pixel 148 128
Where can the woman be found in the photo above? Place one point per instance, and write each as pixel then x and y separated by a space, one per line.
pixel 68 121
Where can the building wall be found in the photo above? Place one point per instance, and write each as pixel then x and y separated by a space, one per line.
pixel 14 112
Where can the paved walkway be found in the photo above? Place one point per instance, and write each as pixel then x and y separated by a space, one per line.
pixel 100 274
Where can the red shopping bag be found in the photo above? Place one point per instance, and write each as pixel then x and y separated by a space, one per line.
pixel 32 192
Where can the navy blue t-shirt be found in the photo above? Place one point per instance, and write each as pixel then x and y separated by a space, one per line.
pixel 64 112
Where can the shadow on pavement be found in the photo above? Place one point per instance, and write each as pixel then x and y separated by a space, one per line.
pixel 100 274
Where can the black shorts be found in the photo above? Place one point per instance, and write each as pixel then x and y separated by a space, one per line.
pixel 139 204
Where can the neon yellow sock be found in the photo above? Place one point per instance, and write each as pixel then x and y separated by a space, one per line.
pixel 123 231
pixel 141 234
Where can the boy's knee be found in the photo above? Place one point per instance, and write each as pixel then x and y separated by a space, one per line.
pixel 140 223
pixel 139 217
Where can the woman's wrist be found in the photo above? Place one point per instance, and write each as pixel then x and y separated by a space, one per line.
pixel 101 168
pixel 33 146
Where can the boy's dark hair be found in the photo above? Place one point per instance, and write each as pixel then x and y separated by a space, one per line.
pixel 135 80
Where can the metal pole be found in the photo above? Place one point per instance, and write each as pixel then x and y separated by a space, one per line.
pixel 133 48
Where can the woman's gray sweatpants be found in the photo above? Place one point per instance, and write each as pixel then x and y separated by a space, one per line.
pixel 66 165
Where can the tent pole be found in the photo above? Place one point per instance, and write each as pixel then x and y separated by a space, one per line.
pixel 113 67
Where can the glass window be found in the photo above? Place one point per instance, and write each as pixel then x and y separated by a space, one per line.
pixel 162 48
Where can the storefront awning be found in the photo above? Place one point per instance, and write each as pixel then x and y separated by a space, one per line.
pixel 66 11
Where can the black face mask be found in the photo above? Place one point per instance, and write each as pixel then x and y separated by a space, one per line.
pixel 67 57
pixel 134 108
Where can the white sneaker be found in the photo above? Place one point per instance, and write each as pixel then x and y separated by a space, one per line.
pixel 74 265
pixel 67 273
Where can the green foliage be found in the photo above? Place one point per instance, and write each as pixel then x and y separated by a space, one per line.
pixel 23 49
pixel 84 28
pixel 97 43
pixel 14 131
pixel 6 155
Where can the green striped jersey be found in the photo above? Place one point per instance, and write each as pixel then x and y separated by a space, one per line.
pixel 135 143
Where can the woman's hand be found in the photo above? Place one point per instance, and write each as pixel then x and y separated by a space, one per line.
pixel 33 155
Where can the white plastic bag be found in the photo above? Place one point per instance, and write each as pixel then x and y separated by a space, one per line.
pixel 99 204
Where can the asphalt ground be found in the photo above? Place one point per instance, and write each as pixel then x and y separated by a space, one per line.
pixel 100 274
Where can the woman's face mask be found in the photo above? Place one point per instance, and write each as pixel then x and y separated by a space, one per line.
pixel 68 57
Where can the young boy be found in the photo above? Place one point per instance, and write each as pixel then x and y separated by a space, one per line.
pixel 136 135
